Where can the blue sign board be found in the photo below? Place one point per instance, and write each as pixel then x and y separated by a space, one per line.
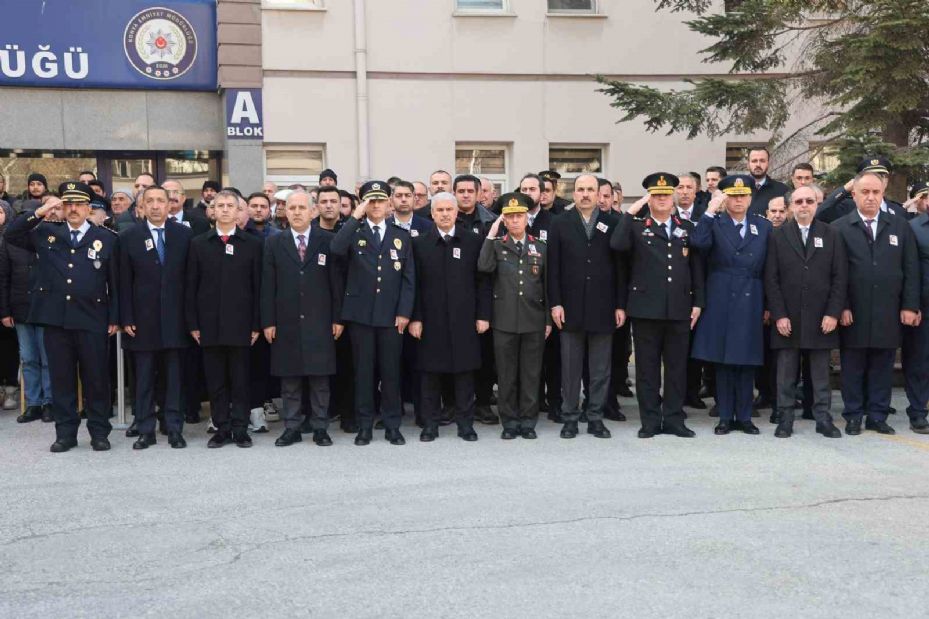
pixel 152 44
pixel 244 116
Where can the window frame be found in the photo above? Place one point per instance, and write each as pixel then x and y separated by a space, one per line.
pixel 593 10
pixel 458 10
pixel 500 181
pixel 285 5
pixel 563 187
pixel 284 180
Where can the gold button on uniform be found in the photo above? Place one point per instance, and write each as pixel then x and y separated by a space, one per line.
pixel 69 281
pixel 68 298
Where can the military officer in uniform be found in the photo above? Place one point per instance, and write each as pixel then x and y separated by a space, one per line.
pixel 729 332
pixel 520 317
pixel 664 299
pixel 379 294
pixel 75 299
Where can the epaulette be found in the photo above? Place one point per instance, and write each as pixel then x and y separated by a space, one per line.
pixel 110 230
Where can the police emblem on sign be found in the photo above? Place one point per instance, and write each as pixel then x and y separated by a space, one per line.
pixel 160 43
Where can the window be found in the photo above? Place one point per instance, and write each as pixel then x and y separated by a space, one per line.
pixel 572 6
pixel 57 166
pixel 571 162
pixel 286 165
pixel 824 157
pixel 481 6
pixel 293 4
pixel 737 155
pixel 732 5
pixel 489 161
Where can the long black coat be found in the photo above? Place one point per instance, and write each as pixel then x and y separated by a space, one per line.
pixel 883 279
pixel 450 296
pixel 224 289
pixel 302 299
pixel 151 295
pixel 666 276
pixel 584 275
pixel 805 284
pixel 17 277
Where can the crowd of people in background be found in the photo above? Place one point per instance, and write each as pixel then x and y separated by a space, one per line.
pixel 315 305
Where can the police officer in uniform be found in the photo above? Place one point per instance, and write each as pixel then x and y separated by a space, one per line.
pixel 663 298
pixel 521 321
pixel 379 294
pixel 729 332
pixel 841 202
pixel 75 299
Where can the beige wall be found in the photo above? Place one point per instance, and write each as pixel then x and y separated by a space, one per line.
pixel 436 80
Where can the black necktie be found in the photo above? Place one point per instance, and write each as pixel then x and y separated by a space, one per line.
pixel 519 247
pixel 447 238
pixel 738 228
pixel 377 236
pixel 172 218
pixel 867 227
pixel 74 234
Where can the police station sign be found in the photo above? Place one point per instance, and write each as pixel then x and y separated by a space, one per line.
pixel 244 118
pixel 155 44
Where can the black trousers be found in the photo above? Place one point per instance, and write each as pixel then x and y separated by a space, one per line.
pixel 410 377
pixel 71 351
pixel 376 351
pixel 193 380
pixel 550 389
pixel 227 381
pixel 766 375
pixel 260 373
pixel 462 384
pixel 342 384
pixel 150 365
pixel 661 343
pixel 486 375
pixel 867 380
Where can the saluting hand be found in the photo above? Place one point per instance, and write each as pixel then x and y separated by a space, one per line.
pixel 50 210
pixel 360 210
pixel 270 333
pixel 637 205
pixel 717 202
pixel 492 233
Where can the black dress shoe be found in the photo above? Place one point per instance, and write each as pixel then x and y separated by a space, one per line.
pixel 176 440
pixel 828 429
pixel 241 438
pixel 468 434
pixel 348 426
pixel 429 434
pixel 322 438
pixel 695 403
pixel 220 438
pixel 62 445
pixel 569 430
pixel 760 403
pixel 678 430
pixel 100 444
pixel 364 437
pixel 598 429
pixel 509 434
pixel 288 438
pixel 625 392
pixel 784 429
pixel 394 437
pixel 853 426
pixel 32 413
pixel 47 415
pixel 775 417
pixel 133 430
pixel 483 414
pixel 144 441
pixel 714 411
pixel 528 433
pixel 646 433
pixel 749 428
pixel 881 427
pixel 919 426
pixel 722 428
pixel 614 415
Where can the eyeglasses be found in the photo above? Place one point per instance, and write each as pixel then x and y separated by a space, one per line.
pixel 800 201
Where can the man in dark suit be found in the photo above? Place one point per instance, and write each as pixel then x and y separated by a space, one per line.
pixel 75 299
pixel 521 321
pixel 222 305
pixel 841 202
pixel 379 294
pixel 766 188
pixel 180 210
pixel 152 259
pixel 583 284
pixel 806 279
pixel 729 333
pixel 883 291
pixel 452 308
pixel 301 298
pixel 915 350
pixel 663 313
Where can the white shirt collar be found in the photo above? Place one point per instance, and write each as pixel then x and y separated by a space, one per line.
pixel 234 228
pixel 152 227
pixel 372 225
pixel 865 219
pixel 451 232
pixel 178 217
pixel 305 234
pixel 80 231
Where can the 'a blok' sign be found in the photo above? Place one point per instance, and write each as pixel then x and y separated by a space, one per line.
pixel 244 118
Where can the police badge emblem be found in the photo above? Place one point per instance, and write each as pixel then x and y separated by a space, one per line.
pixel 398 244
pixel 396 266
pixel 98 245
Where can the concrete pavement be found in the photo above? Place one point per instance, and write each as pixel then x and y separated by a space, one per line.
pixel 667 527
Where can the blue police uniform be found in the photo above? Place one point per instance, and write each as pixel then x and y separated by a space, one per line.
pixel 729 332
pixel 74 298
pixel 380 286
pixel 915 349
